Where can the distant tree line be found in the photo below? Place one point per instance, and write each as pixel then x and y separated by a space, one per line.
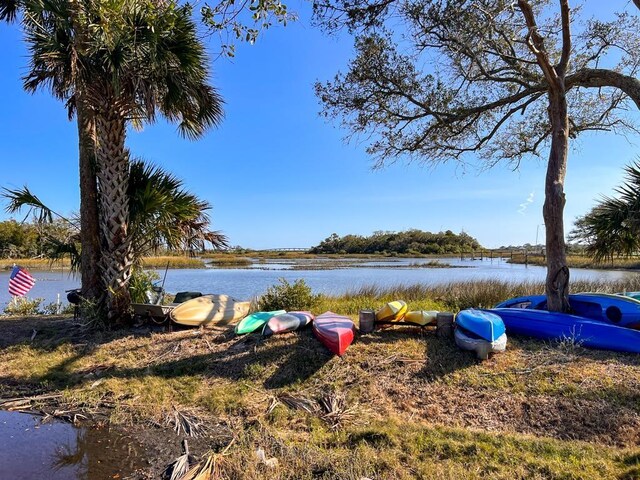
pixel 31 239
pixel 409 242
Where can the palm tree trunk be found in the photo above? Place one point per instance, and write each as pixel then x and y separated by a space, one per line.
pixel 113 179
pixel 89 220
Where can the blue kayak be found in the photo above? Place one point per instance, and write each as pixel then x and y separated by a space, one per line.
pixel 558 326
pixel 485 325
pixel 613 309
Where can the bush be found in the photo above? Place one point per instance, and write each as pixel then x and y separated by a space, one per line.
pixel 141 282
pixel 23 306
pixel 287 296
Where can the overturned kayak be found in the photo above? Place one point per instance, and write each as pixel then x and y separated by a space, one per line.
pixel 613 309
pixel 563 326
pixel 336 332
pixel 421 317
pixel 255 321
pixel 287 322
pixel 392 312
pixel 209 310
pixel 480 323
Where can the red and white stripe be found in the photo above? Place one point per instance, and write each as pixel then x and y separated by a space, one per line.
pixel 20 282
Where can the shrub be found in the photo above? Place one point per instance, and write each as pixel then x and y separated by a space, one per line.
pixel 141 282
pixel 23 306
pixel 287 296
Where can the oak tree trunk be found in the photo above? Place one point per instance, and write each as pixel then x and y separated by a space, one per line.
pixel 557 281
pixel 113 179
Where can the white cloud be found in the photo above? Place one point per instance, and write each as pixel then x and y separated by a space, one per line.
pixel 525 204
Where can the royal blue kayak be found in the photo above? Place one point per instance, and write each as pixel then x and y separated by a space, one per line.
pixel 612 309
pixel 559 326
pixel 482 323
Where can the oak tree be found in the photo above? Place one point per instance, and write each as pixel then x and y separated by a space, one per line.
pixel 499 80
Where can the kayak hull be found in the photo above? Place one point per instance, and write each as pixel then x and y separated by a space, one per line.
pixel 560 326
pixel 209 310
pixel 482 347
pixel 255 321
pixel 481 323
pixel 608 308
pixel 336 332
pixel 392 312
pixel 421 317
pixel 287 322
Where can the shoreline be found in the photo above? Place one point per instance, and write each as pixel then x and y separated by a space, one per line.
pixel 398 400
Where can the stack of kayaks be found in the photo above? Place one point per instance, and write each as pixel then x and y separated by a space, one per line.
pixel 287 322
pixel 209 310
pixel 336 332
pixel 480 331
pixel 597 320
pixel 256 321
pixel 396 313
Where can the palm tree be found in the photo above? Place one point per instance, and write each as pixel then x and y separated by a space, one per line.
pixel 59 70
pixel 612 227
pixel 119 63
pixel 163 215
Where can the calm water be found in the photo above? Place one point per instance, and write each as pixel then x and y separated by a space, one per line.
pixel 248 282
pixel 59 451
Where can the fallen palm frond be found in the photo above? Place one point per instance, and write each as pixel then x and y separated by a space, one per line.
pixel 298 403
pixel 180 466
pixel 185 422
pixel 207 469
pixel 336 411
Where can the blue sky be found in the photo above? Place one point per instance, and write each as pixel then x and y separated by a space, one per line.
pixel 279 175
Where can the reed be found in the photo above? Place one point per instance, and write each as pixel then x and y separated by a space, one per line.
pixel 172 262
pixel 456 296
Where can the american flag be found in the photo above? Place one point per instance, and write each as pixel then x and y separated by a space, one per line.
pixel 20 281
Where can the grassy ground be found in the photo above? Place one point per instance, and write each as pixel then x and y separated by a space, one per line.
pixel 402 403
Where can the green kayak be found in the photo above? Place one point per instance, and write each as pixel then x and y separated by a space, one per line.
pixel 253 322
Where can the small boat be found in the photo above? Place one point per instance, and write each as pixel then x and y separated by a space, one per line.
pixel 481 332
pixel 287 322
pixel 209 310
pixel 480 323
pixel 255 321
pixel 421 317
pixel 560 326
pixel 335 331
pixel 613 309
pixel 392 312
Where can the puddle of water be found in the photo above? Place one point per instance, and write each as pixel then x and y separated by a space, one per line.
pixel 55 450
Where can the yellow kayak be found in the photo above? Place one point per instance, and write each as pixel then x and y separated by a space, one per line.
pixel 210 310
pixel 392 312
pixel 421 317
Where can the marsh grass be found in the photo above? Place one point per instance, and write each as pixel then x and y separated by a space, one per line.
pixel 172 262
pixel 400 404
pixel 579 261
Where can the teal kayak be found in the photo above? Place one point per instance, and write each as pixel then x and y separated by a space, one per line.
pixel 255 321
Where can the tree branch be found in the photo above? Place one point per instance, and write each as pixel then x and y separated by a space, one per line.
pixel 566 39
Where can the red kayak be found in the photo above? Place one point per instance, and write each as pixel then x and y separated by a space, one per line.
pixel 335 331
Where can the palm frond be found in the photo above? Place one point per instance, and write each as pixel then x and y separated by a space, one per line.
pixel 9 10
pixel 23 198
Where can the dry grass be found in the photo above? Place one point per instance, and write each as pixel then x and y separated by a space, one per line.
pixel 580 261
pixel 401 403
